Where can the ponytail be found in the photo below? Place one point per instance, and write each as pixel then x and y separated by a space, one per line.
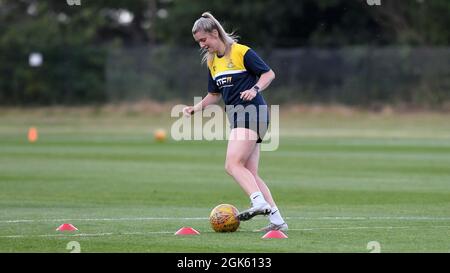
pixel 208 23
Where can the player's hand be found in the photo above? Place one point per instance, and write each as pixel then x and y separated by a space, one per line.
pixel 248 94
pixel 188 111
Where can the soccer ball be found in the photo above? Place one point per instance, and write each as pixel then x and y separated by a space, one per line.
pixel 160 135
pixel 223 218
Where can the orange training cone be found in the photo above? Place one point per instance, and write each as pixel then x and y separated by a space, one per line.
pixel 66 227
pixel 32 134
pixel 274 234
pixel 187 231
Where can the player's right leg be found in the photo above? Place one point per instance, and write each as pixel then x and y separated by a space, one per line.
pixel 240 146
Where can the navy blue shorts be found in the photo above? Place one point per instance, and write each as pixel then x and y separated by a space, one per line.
pixel 250 117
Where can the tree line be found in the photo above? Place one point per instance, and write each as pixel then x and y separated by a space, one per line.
pixel 74 40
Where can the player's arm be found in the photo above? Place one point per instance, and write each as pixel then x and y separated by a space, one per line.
pixel 265 80
pixel 257 66
pixel 210 98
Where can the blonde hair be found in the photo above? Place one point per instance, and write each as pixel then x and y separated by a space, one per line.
pixel 208 23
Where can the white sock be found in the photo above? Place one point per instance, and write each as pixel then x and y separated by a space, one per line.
pixel 257 198
pixel 275 217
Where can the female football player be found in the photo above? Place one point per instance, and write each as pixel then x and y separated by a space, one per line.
pixel 238 75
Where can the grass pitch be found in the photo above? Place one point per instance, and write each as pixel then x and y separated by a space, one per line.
pixel 340 179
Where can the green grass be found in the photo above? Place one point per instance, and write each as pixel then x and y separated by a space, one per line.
pixel 341 180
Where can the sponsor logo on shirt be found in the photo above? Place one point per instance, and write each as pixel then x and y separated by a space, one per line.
pixel 224 82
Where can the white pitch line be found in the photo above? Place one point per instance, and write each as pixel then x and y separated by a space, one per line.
pixel 406 218
pixel 88 234
pixel 171 232
pixel 414 218
pixel 375 227
pixel 344 228
pixel 101 219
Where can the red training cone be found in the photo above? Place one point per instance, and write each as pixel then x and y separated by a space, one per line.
pixel 66 227
pixel 187 231
pixel 274 234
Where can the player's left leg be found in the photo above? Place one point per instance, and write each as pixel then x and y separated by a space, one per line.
pixel 276 220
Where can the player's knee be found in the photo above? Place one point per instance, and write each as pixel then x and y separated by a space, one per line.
pixel 231 166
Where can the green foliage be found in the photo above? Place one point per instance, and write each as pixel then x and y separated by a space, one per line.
pixel 76 40
pixel 291 23
pixel 72 68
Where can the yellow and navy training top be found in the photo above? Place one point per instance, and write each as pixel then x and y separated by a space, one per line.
pixel 240 71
